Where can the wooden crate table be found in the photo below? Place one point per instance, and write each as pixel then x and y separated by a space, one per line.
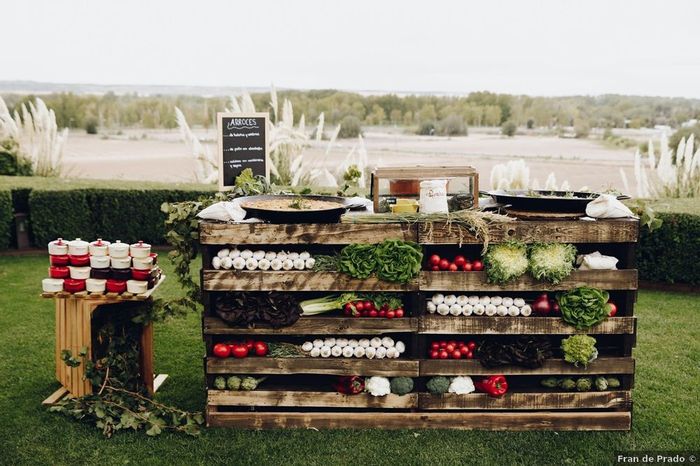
pixel 74 313
pixel 292 401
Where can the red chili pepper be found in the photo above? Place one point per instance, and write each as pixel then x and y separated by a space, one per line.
pixel 494 386
pixel 350 384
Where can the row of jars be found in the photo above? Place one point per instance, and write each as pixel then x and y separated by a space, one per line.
pixel 80 248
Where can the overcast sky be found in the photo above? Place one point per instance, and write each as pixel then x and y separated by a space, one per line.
pixel 529 47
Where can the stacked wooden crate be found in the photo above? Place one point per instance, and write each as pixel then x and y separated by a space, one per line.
pixel 299 396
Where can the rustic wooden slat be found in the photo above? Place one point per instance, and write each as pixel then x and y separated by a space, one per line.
pixel 572 231
pixel 524 401
pixel 333 233
pixel 485 325
pixel 330 366
pixel 317 326
pixel 430 367
pixel 427 420
pixel 284 398
pixel 256 280
pixel 476 281
pixel 55 397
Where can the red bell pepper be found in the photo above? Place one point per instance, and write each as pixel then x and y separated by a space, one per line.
pixel 350 385
pixel 494 386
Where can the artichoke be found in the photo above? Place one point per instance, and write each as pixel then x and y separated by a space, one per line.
pixel 601 384
pixel 550 382
pixel 613 382
pixel 584 384
pixel 220 383
pixel 567 384
pixel 233 382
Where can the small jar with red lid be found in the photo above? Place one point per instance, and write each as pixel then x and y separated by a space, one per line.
pixel 116 286
pixel 142 275
pixel 58 253
pixel 99 248
pixel 59 272
pixel 73 285
pixel 79 260
pixel 140 249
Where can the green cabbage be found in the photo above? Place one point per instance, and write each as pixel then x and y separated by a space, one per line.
pixel 584 307
pixel 505 262
pixel 579 349
pixel 552 262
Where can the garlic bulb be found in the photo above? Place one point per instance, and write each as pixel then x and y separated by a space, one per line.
pixel 438 299
pixel 497 300
pixel 485 300
pixel 251 264
pixel 518 302
pixel 298 264
pixel 309 263
pixel 467 309
pixel 222 253
pixel 392 353
pixel 325 351
pixel 318 343
pixel 479 309
pixel 216 263
pixel 226 263
pixel 400 347
pixel 239 263
pixel 342 342
pixel 246 254
pixel 287 264
pixel 235 252
pixel 473 300
pixel 387 342
pixel 526 310
pixel 336 351
pixel 329 341
pixel 276 264
pixel 462 300
pixel 432 307
pixel 259 254
pixel 315 352
pixel 443 309
pixel 364 342
pixel 348 351
pixel 352 343
pixel 502 310
pixel 507 301
pixel 307 346
pixel 376 342
pixel 263 264
pixel 450 299
pixel 304 255
pixel 359 352
pixel 490 310
pixel 513 311
pixel 270 255
pixel 381 352
pixel 293 255
pixel 370 352
pixel 282 255
pixel 455 310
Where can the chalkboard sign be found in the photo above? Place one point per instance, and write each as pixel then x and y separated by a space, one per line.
pixel 242 144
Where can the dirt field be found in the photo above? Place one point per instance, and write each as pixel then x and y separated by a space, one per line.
pixel 159 155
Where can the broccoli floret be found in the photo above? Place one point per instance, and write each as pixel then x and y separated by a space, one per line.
pixel 401 385
pixel 567 384
pixel 584 384
pixel 234 383
pixel 438 385
pixel 251 383
pixel 220 383
pixel 613 382
pixel 550 382
pixel 601 384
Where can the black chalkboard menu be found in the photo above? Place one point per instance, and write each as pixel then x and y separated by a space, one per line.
pixel 242 144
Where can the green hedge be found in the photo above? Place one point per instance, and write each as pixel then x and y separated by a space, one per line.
pixel 112 214
pixel 6 219
pixel 671 254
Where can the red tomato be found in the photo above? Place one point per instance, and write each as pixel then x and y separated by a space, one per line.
pixel 460 261
pixel 240 351
pixel 450 348
pixel 261 348
pixel 434 354
pixel 435 268
pixel 359 305
pixel 390 314
pixel 452 342
pixel 453 267
pixel 613 309
pixel 435 345
pixel 467 267
pixel 373 313
pixel 442 343
pixel 399 313
pixel 471 345
pixel 470 355
pixel 249 343
pixel 221 350
pixel 443 354
pixel 477 266
pixel 434 260
pixel 456 354
pixel 444 264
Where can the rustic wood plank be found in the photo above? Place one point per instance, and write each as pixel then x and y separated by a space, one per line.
pixel 485 325
pixel 429 367
pixel 257 280
pixel 284 398
pixel 158 381
pixel 330 366
pixel 55 397
pixel 146 357
pixel 317 326
pixel 528 401
pixel 427 420
pixel 571 231
pixel 333 233
pixel 476 281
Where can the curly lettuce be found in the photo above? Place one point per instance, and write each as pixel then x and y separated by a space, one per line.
pixel 505 262
pixel 584 307
pixel 552 262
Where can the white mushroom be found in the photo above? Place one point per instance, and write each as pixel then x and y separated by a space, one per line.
pixel 336 351
pixel 381 352
pixel 497 300
pixel 348 351
pixel 287 264
pixel 263 264
pixel 222 253
pixel 235 252
pixel 251 264
pixel 239 263
pixel 431 307
pixel 298 264
pixel 513 311
pixel 216 263
pixel 479 309
pixel 276 264
pixel 400 347
pixel 526 310
pixel 462 300
pixel 375 342
pixel 307 346
pixel 450 299
pixel 387 342
pixel 359 352
pixel 455 310
pixel 315 352
pixel 507 301
pixel 269 255
pixel 226 263
pixel 502 310
pixel 370 352
pixel 490 310
pixel 438 299
pixel 309 263
pixel 246 254
pixel 325 351
pixel 304 255
pixel 443 309
pixel 473 300
pixel 467 309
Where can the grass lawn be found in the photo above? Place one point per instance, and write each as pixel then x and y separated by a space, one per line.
pixel 666 410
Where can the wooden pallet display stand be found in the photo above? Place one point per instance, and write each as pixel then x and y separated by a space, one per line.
pixel 532 408
pixel 74 313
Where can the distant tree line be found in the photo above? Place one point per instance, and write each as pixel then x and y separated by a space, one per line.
pixel 428 114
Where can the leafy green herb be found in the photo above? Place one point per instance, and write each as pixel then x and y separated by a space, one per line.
pixel 284 350
pixel 246 184
pixel 326 263
pixel 300 203
pixel 398 261
pixel 583 307
pixel 551 261
pixel 505 262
